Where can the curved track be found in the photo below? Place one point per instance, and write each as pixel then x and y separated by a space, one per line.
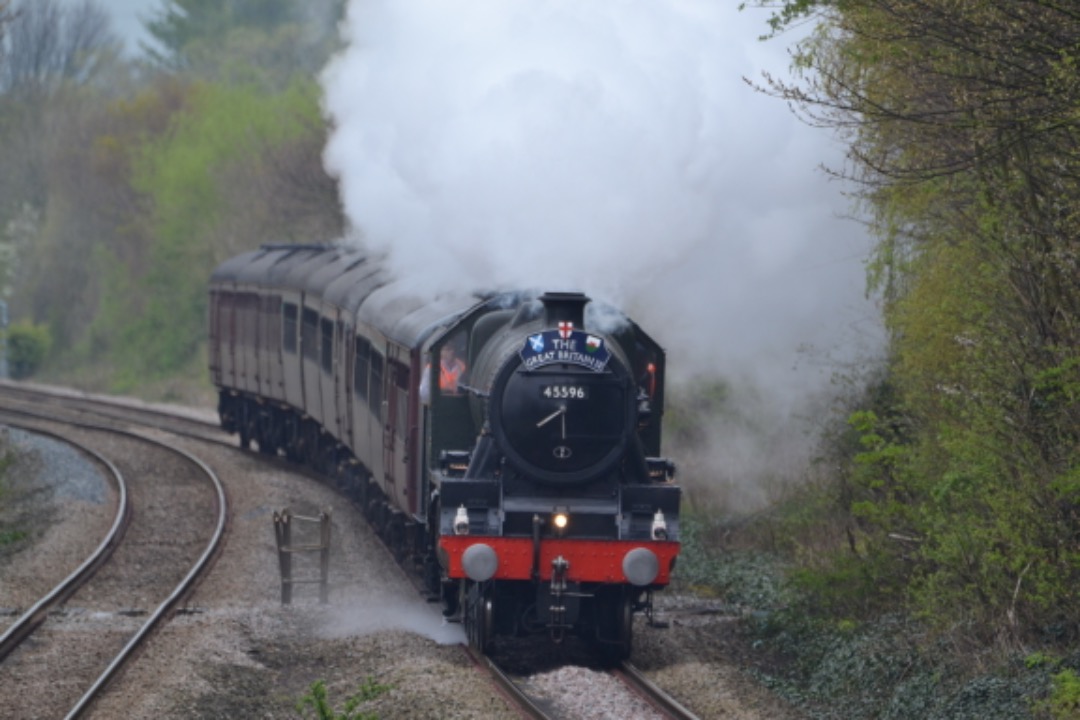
pixel 514 689
pixel 32 618
pixel 170 521
pixel 104 409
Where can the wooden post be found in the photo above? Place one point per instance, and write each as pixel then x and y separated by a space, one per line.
pixel 324 557
pixel 283 532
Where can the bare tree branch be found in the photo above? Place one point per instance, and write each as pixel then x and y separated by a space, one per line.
pixel 46 44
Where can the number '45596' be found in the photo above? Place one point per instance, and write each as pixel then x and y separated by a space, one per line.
pixel 564 392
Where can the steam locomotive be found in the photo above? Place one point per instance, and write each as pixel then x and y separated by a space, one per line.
pixel 505 445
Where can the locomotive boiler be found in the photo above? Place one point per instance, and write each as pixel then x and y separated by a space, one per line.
pixel 506 445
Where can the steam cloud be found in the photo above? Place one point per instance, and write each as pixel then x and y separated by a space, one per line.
pixel 610 147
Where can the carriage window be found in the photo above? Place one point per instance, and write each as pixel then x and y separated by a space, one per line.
pixel 271 311
pixel 326 328
pixel 243 322
pixel 238 318
pixel 252 312
pixel 360 368
pixel 215 313
pixel 309 335
pixel 401 397
pixel 288 327
pixel 226 329
pixel 375 394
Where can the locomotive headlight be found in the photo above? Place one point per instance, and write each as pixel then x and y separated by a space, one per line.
pixel 461 521
pixel 559 520
pixel 659 526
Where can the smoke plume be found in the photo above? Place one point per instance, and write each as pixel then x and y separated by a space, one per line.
pixel 610 147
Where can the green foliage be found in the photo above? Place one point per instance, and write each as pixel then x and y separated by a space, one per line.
pixel 315 702
pixel 789 12
pixel 7 537
pixel 119 197
pixel 1038 659
pixel 264 42
pixel 184 22
pixel 748 579
pixel 887 666
pixel 10 537
pixel 155 322
pixel 1064 700
pixel 961 490
pixel 28 345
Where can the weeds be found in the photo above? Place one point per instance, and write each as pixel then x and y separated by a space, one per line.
pixel 834 660
pixel 7 537
pixel 316 704
pixel 10 537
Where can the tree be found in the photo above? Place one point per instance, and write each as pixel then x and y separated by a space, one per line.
pixel 963 123
pixel 45 49
pixel 263 41
pixel 50 57
pixel 5 17
pixel 184 22
pixel 92 218
pixel 46 44
pixel 27 346
pixel 203 182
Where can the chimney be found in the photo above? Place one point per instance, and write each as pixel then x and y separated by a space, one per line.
pixel 564 306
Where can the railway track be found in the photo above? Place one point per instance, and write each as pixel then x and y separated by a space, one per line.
pixel 650 701
pixel 625 690
pixel 102 409
pixel 59 655
pixel 639 683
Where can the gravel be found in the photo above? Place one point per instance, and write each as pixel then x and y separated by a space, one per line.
pixel 50 489
pixel 233 651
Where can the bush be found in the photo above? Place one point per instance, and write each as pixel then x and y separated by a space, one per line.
pixel 1064 700
pixel 27 347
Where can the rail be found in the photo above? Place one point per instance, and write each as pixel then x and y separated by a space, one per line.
pixel 29 621
pixel 25 625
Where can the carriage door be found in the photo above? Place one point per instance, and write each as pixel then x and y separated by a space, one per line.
pixel 215 337
pixel 227 325
pixel 347 380
pixel 389 420
pixel 396 447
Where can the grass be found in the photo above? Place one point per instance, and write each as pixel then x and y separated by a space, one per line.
pixel 10 537
pixel 191 386
pixel 7 537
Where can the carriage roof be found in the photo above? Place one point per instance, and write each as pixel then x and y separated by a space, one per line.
pixel 355 282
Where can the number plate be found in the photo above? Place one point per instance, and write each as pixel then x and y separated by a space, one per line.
pixel 565 392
